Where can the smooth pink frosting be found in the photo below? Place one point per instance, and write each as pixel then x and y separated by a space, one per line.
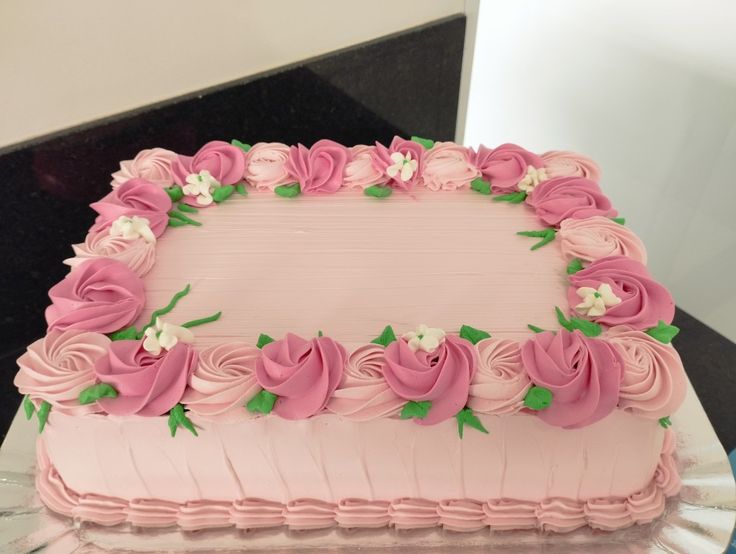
pixel 306 513
pixel 358 513
pixel 100 295
pixel 561 163
pixel 500 384
pixel 442 376
pixel 302 373
pixel 448 166
pixel 138 254
pixel 147 385
pixel 644 301
pixel 225 162
pixel 563 198
pixel 463 516
pixel 596 237
pixel 584 375
pixel 136 197
pixel 413 513
pixel 505 166
pixel 654 382
pixel 319 168
pixel 363 393
pixel 360 171
pixel 265 165
pixel 59 366
pixel 222 383
pixel 153 165
pixel 382 160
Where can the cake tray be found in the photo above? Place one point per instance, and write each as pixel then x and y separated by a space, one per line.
pixel 701 519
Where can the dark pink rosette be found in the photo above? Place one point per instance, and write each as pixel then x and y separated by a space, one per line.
pixel 442 376
pixel 147 385
pixel 584 375
pixel 643 300
pixel 225 162
pixel 505 166
pixel 136 197
pixel 410 151
pixel 302 373
pixel 100 295
pixel 319 168
pixel 562 198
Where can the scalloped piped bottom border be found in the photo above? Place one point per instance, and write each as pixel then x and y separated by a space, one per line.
pixel 558 515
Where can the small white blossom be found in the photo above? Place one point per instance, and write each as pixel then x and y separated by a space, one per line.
pixel 131 228
pixel 165 336
pixel 425 338
pixel 532 178
pixel 595 302
pixel 201 185
pixel 403 166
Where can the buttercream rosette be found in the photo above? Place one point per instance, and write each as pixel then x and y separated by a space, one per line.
pixel 137 254
pixel 505 166
pixel 501 382
pixel 409 152
pixel 224 162
pixel 153 165
pixel 318 169
pixel 556 200
pixel 265 165
pixel 360 171
pixel 597 237
pixel 562 163
pixel 448 166
pixel 134 198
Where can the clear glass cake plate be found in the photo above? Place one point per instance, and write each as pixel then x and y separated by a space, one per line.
pixel 700 520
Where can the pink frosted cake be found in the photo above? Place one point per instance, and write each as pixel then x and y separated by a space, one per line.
pixel 406 336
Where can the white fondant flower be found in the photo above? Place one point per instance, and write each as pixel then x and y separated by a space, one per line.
pixel 595 301
pixel 201 185
pixel 532 178
pixel 424 338
pixel 403 166
pixel 130 228
pixel 165 336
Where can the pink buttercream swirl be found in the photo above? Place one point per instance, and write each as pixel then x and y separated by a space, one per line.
pixel 225 162
pixel 302 373
pixel 654 382
pixel 147 385
pixel 561 163
pixel 59 366
pixel 501 383
pixel 644 301
pixel 204 514
pixel 149 512
pixel 461 516
pixel 560 515
pixel 360 171
pixel 413 513
pixel 318 169
pixel 137 254
pixel 448 166
pixel 100 295
pixel 136 197
pixel 563 198
pixel 505 166
pixel 256 513
pixel 596 237
pixel 225 378
pixel 584 375
pixel 306 513
pixel 364 514
pixel 153 165
pixel 265 165
pixel 606 514
pixel 382 161
pixel 506 514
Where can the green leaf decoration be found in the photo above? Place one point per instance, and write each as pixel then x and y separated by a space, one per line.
pixel 177 418
pixel 536 329
pixel 418 410
pixel 547 236
pixel 538 398
pixel 588 328
pixel 240 189
pixel 513 198
pixel 173 222
pixel 386 337
pixel 575 265
pixel 129 333
pixel 165 310
pixel 288 191
pixel 263 340
pixel 619 220
pixel 563 320
pixel 202 321
pixel 220 194
pixel 175 193
pixel 665 421
pixel 427 143
pixel 662 332
pixel 186 208
pixel 95 392
pixel 467 417
pixel 320 333
pixel 262 402
pixel 28 408
pixel 472 334
pixel 480 185
pixel 378 191
pixel 43 415
pixel 242 145
pixel 173 214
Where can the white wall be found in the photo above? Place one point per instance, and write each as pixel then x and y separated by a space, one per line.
pixel 65 63
pixel 648 89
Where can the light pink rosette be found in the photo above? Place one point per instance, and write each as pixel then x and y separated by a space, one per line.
pixel 501 383
pixel 360 171
pixel 153 165
pixel 560 163
pixel 382 161
pixel 138 254
pixel 505 166
pixel 318 169
pixel 59 366
pixel 302 373
pixel 136 197
pixel 596 237
pixel 447 166
pixel 147 385
pixel 584 375
pixel 225 162
pixel 222 383
pixel 442 376
pixel 363 393
pixel 562 198
pixel 643 300
pixel 265 165
pixel 100 295
pixel 654 381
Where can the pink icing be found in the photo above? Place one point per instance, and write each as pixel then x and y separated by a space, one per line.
pixel 382 160
pixel 359 171
pixel 265 165
pixel 505 166
pixel 138 254
pixel 643 300
pixel 306 514
pixel 666 476
pixel 560 163
pixel 358 513
pixel 225 162
pixel 136 197
pixel 563 198
pixel 99 509
pixel 596 237
pixel 147 385
pixel 256 513
pixel 59 366
pixel 302 373
pixel 646 505
pixel 448 166
pixel 204 514
pixel 560 515
pixel 153 165
pixel 413 513
pixel 319 168
pixel 363 393
pixel 147 512
pixel 462 516
pixel 500 384
pixel 583 374
pixel 100 295
pixel 442 377
pixel 504 514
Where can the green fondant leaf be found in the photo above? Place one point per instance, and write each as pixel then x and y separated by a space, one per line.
pixel 386 337
pixel 242 145
pixel 536 329
pixel 262 402
pixel 513 198
pixel 288 191
pixel 173 425
pixel 43 415
pixel 175 193
pixel 467 417
pixel 662 332
pixel 665 421
pixel 220 194
pixel 129 333
pixel 547 236
pixel 28 408
pixel 181 217
pixel 173 222
pixel 480 185
pixel 263 340
pixel 427 143
pixel 472 334
pixel 619 220
pixel 378 191
pixel 240 189
pixel 186 208
pixel 563 320
pixel 165 310
pixel 588 328
pixel 202 321
pixel 575 265
pixel 538 398
pixel 177 418
pixel 320 333
pixel 95 392
pixel 418 410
